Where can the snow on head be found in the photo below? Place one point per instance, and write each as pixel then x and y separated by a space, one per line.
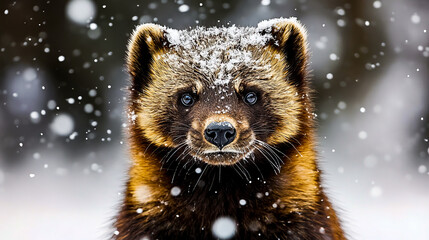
pixel 216 51
pixel 219 51
pixel 224 228
pixel 62 125
pixel 80 11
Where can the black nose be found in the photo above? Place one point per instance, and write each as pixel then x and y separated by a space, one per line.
pixel 220 133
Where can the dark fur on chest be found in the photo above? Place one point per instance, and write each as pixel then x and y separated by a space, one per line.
pixel 216 192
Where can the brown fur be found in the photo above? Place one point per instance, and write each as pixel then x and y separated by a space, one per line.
pixel 274 165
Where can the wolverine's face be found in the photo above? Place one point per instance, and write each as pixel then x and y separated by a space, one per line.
pixel 217 96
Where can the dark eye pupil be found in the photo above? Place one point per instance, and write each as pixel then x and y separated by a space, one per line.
pixel 251 98
pixel 187 100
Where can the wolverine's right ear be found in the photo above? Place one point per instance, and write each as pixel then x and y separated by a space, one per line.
pixel 147 39
pixel 290 38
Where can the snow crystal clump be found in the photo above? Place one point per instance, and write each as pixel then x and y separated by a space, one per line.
pixel 342 105
pixel 415 18
pixel 242 202
pixel 29 74
pixel 370 161
pixel 80 11
pixel 73 136
pixel 175 191
pixel 376 192
pixel 224 228
pixel 92 93
pixel 93 26
pixel 268 24
pixel 265 2
pixel 70 100
pixel 362 135
pixel 422 169
pixel 183 8
pixel 35 116
pixel 88 108
pixel 376 4
pixel 62 125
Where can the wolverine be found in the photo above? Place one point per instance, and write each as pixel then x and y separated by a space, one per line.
pixel 222 136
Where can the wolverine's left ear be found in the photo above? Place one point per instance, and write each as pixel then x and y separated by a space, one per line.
pixel 290 37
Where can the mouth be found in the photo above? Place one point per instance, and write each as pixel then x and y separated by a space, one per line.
pixel 222 157
pixel 222 152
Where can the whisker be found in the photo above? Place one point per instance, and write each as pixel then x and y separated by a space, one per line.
pixel 276 169
pixel 202 173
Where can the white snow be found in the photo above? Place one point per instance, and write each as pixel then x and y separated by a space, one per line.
pixel 73 136
pixel 36 155
pixel 175 191
pixel 52 104
pixel 80 11
pixel 341 11
pixel 183 8
pixel 61 58
pixel 342 105
pixel 333 57
pixel 62 125
pixel 422 169
pixel 34 115
pixel 268 24
pixel 363 135
pixel 370 161
pixel 242 202
pixel 376 192
pixel 265 2
pixel 88 108
pixel 415 18
pixel 376 4
pixel 93 26
pixel 224 228
pixel 29 74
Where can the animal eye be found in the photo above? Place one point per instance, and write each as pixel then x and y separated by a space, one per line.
pixel 187 100
pixel 250 98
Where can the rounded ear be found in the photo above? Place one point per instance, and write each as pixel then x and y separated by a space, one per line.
pixel 290 38
pixel 146 40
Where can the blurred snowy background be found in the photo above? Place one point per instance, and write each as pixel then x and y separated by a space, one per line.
pixel 63 156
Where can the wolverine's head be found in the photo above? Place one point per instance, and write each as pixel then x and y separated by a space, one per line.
pixel 219 95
